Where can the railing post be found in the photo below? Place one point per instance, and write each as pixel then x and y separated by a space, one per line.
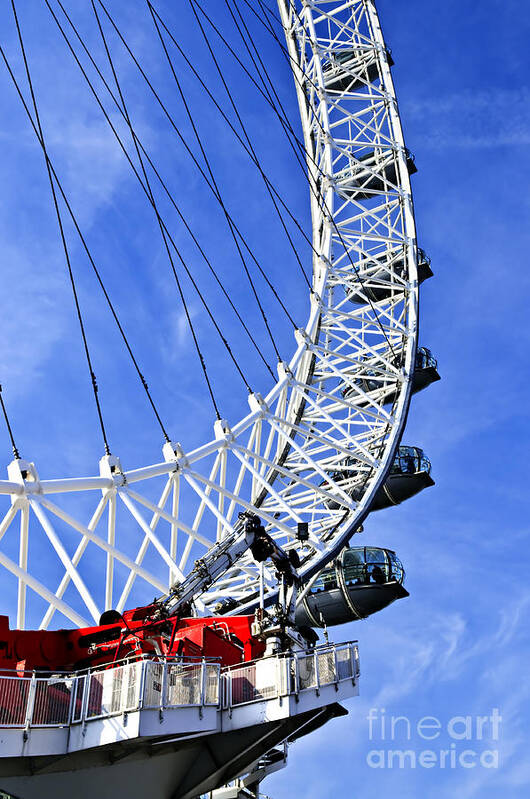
pixel 84 704
pixel 354 660
pixel 30 704
pixel 284 676
pixel 203 681
pixel 317 673
pixel 73 696
pixel 202 695
pixel 296 678
pixel 163 689
pixel 141 689
pixel 336 668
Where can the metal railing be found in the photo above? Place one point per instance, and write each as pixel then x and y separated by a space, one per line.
pixel 34 701
pixel 282 675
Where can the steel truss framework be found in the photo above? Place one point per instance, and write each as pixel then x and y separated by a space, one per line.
pixel 305 452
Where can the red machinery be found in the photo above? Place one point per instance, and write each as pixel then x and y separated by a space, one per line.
pixel 138 632
pixel 163 628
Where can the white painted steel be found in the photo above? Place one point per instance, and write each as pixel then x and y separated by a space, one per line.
pixel 283 460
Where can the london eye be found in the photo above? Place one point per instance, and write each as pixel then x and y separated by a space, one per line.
pixel 259 521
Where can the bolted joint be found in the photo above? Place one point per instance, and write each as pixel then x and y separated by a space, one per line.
pixel 25 474
pixel 284 372
pixel 222 430
pixel 173 452
pixel 302 338
pixel 110 467
pixel 257 403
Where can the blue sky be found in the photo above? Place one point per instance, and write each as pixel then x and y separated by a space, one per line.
pixel 460 644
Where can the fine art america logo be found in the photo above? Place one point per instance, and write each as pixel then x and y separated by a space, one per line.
pixel 458 742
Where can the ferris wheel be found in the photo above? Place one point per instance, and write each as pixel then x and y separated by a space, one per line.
pixel 311 456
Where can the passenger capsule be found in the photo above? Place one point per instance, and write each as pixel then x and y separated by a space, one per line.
pixel 372 172
pixel 362 581
pixel 425 373
pixel 375 279
pixel 424 266
pixel 350 70
pixel 410 474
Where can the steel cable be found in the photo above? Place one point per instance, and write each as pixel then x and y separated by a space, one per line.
pixel 62 234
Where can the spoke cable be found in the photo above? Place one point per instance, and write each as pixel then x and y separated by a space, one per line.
pixel 162 231
pixel 166 190
pixel 214 182
pixel 252 150
pixel 8 425
pixel 137 175
pixel 194 159
pixel 88 252
pixel 62 234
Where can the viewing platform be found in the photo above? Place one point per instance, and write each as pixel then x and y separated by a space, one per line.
pixel 123 716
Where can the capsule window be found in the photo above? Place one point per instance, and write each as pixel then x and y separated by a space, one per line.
pixel 397 571
pixel 365 565
pixel 353 566
pixel 410 460
pixel 326 581
pixel 425 359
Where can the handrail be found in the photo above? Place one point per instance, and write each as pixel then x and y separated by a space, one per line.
pixel 132 685
pixel 50 673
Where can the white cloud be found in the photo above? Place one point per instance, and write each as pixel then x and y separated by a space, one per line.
pixel 472 119
pixel 35 315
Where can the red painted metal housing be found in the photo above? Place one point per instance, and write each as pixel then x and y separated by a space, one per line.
pixel 136 633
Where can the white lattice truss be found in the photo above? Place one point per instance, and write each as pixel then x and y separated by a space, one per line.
pixel 305 452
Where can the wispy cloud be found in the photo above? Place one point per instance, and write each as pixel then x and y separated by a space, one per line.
pixel 33 317
pixel 472 119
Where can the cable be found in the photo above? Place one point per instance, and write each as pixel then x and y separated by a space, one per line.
pixel 62 234
pixel 210 172
pixel 252 150
pixel 165 188
pixel 271 12
pixel 188 149
pixel 8 425
pixel 162 231
pixel 313 189
pixel 139 178
pixel 265 8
